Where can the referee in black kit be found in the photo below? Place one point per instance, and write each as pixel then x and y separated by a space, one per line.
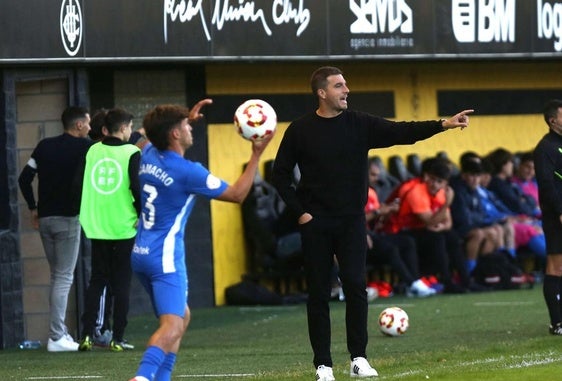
pixel 548 172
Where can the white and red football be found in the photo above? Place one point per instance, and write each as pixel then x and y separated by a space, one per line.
pixel 255 119
pixel 393 321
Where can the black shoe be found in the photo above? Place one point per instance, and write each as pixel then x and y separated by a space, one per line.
pixel 477 287
pixel 555 329
pixel 454 288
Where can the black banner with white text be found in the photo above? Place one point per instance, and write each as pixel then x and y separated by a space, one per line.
pixel 206 30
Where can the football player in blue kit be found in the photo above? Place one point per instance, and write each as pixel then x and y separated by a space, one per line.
pixel 169 184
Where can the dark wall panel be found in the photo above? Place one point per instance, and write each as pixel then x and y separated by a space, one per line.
pixel 496 102
pixel 4 199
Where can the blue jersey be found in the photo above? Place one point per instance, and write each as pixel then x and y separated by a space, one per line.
pixel 169 184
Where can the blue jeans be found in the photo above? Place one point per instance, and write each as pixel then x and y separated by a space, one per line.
pixel 61 240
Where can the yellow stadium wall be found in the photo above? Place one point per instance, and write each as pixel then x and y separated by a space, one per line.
pixel 415 86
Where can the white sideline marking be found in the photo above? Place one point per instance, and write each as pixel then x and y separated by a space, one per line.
pixel 526 364
pixel 390 304
pixel 487 304
pixel 63 378
pixel 267 308
pixel 503 362
pixel 216 375
pixel 408 373
pixel 521 361
pixel 179 376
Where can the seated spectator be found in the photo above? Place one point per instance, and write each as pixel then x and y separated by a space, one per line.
pixel 480 237
pixel 425 216
pixel 491 214
pixel 525 176
pixel 397 250
pixel 271 236
pixel 524 231
pixel 528 231
pixel 510 194
pixel 381 181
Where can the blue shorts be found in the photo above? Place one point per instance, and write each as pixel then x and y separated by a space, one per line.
pixel 168 292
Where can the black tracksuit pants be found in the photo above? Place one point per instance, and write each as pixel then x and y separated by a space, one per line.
pixel 344 237
pixel 111 267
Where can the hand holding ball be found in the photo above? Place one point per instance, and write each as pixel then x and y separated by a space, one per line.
pixel 255 119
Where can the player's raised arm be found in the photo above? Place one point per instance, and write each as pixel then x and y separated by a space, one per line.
pixel 238 191
pixel 255 121
pixel 195 112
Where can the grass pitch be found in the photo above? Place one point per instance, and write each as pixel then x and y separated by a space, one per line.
pixel 488 336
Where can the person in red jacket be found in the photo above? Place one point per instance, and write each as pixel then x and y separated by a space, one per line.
pixel 425 215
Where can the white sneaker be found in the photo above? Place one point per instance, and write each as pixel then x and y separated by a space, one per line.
pixel 64 344
pixel 360 368
pixel 372 294
pixel 419 288
pixel 68 337
pixel 324 373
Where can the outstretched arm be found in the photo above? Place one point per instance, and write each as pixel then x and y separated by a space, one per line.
pixel 458 120
pixel 194 113
pixel 238 191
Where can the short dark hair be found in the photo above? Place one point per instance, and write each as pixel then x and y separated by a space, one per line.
pixel 525 157
pixel 438 167
pixel 115 118
pixel 96 124
pixel 550 110
pixel 472 167
pixel 319 78
pixel 469 156
pixel 159 121
pixel 498 158
pixel 487 166
pixel 71 115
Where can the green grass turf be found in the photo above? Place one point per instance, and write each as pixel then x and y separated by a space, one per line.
pixel 488 336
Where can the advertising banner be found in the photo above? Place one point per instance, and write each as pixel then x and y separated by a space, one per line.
pixel 381 28
pixel 205 30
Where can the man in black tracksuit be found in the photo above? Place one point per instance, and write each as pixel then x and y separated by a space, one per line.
pixel 548 170
pixel 330 147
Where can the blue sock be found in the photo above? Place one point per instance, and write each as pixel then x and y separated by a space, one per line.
pixel 512 252
pixel 151 360
pixel 537 245
pixel 470 265
pixel 165 371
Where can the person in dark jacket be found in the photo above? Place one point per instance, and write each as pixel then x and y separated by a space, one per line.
pixel 55 161
pixel 469 217
pixel 548 169
pixel 510 194
pixel 330 146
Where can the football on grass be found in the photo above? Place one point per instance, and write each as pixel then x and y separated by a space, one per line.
pixel 255 119
pixel 393 321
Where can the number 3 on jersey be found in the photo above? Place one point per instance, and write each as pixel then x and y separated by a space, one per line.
pixel 149 210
